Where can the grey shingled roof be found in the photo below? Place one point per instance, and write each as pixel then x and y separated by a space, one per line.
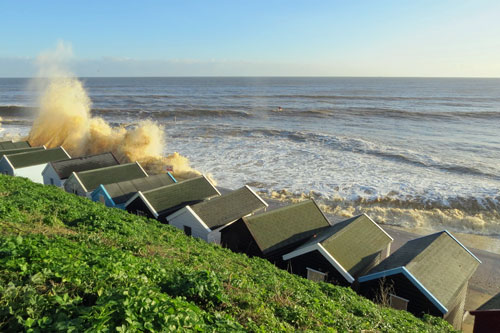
pixel 30 158
pixel 122 191
pixel 167 197
pixel 19 150
pixel 352 240
pixel 91 179
pixel 438 261
pixel 492 304
pixel 66 167
pixel 13 145
pixel 228 207
pixel 284 226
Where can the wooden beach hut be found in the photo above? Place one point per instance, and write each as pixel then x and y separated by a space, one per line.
pixel 19 150
pixel 117 194
pixel 56 173
pixel 272 234
pixel 342 252
pixel 426 275
pixel 4 145
pixel 84 182
pixel 31 164
pixel 487 316
pixel 160 202
pixel 204 219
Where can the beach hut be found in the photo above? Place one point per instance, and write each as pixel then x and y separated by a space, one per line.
pixel 4 145
pixel 20 150
pixel 203 220
pixel 84 182
pixel 117 194
pixel 426 275
pixel 56 173
pixel 160 202
pixel 272 234
pixel 342 252
pixel 31 164
pixel 487 316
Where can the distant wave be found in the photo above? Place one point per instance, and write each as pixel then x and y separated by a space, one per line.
pixel 450 99
pixel 351 145
pixel 392 113
pixel 15 110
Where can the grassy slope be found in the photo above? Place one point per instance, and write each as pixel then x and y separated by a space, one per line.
pixel 69 264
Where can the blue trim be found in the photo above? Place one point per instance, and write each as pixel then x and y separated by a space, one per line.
pixel 466 249
pixel 412 279
pixel 175 180
pixel 107 194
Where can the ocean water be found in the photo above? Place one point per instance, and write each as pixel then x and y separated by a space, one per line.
pixel 421 153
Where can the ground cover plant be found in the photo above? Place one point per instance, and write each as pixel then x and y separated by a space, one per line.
pixel 68 264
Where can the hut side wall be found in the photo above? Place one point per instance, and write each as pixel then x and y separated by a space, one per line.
pixel 238 238
pixel 418 303
pixel 315 260
pixel 138 207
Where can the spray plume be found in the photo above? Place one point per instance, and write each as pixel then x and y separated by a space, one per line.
pixel 64 119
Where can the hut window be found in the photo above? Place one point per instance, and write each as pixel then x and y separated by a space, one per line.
pixel 187 230
pixel 397 302
pixel 140 213
pixel 315 275
pixel 101 198
pixel 51 181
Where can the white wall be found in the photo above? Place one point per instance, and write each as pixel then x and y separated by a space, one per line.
pixel 186 217
pixel 34 172
pixel 49 173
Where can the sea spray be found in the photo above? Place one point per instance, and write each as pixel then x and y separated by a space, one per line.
pixel 64 119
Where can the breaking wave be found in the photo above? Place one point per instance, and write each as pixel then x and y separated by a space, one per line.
pixel 470 215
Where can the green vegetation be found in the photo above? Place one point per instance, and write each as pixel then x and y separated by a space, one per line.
pixel 67 264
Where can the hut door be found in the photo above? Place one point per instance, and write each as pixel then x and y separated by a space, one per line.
pixel 398 303
pixel 315 275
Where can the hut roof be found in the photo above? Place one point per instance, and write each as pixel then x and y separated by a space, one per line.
pixel 91 179
pixel 21 160
pixel 492 304
pixel 228 207
pixel 20 150
pixel 13 145
pixel 284 226
pixel 165 198
pixel 350 242
pixel 438 262
pixel 122 191
pixel 66 167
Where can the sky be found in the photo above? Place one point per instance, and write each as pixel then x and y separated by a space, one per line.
pixel 255 37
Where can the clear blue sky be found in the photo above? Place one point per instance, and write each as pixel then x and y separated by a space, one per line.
pixel 344 38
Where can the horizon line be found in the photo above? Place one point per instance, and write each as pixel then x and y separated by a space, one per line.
pixel 264 76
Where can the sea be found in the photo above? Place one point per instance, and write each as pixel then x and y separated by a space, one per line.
pixel 410 152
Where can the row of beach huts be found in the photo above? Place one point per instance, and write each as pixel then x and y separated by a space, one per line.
pixel 427 275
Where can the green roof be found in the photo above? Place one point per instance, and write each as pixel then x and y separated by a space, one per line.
pixel 4 145
pixel 228 207
pixel 284 226
pixel 167 197
pixel 438 261
pixel 20 150
pixel 22 160
pixel 492 304
pixel 351 241
pixel 91 179
pixel 122 191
